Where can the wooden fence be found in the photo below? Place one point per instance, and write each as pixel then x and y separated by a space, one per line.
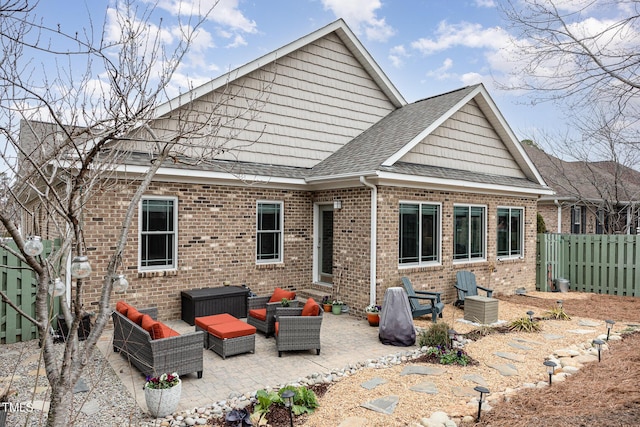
pixel 603 264
pixel 18 282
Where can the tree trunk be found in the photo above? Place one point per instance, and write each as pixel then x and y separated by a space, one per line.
pixel 60 406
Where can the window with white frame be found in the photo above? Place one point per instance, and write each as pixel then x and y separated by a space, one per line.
pixel 419 234
pixel 269 232
pixel 469 241
pixel 510 236
pixel 158 235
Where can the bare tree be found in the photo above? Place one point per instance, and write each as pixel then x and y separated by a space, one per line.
pixel 70 122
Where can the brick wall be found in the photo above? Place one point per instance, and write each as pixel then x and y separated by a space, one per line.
pixel 502 276
pixel 216 243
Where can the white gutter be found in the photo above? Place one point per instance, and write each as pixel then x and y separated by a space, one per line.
pixel 374 226
pixel 559 215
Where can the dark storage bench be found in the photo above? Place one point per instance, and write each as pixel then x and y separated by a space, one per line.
pixel 208 301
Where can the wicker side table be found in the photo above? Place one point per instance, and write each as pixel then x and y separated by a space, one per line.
pixel 480 309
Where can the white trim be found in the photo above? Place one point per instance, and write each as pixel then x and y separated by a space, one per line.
pixel 174 199
pixel 485 234
pixel 420 263
pixel 523 232
pixel 373 241
pixel 280 259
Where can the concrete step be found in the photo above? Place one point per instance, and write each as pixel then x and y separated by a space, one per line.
pixel 316 294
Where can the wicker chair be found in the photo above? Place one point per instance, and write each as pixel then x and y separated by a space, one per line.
pixel 258 304
pixel 297 332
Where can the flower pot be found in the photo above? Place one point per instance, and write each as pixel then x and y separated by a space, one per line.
pixel 345 308
pixel 163 401
pixel 373 318
pixel 327 307
pixel 336 309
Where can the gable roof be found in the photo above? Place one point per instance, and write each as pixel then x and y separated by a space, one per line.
pixel 586 181
pixel 339 27
pixel 380 148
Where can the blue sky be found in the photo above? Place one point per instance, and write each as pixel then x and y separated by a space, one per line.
pixel 425 47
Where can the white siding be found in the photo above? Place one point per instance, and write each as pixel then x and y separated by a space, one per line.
pixel 303 108
pixel 466 141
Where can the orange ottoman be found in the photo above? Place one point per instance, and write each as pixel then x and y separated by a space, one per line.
pixel 231 337
pixel 202 323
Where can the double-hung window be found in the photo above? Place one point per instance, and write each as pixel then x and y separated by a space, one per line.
pixel 510 232
pixel 269 232
pixel 419 242
pixel 469 233
pixel 158 225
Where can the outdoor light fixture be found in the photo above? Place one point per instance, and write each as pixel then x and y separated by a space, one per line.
pixel 56 288
pixel 482 391
pixel 337 204
pixel 80 267
pixel 559 302
pixel 120 283
pixel 598 344
pixel 551 367
pixel 452 335
pixel 609 326
pixel 33 246
pixel 530 313
pixel 287 396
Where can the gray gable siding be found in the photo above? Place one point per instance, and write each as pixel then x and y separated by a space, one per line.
pixel 306 106
pixel 468 142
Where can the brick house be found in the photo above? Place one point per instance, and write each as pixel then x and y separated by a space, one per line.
pixel 347 189
pixel 589 197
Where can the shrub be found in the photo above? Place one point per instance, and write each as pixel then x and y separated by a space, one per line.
pixel 557 313
pixel 541 226
pixel 450 356
pixel 524 324
pixel 436 335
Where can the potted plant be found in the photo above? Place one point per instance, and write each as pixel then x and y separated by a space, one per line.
pixel 162 394
pixel 285 302
pixel 326 303
pixel 373 314
pixel 336 306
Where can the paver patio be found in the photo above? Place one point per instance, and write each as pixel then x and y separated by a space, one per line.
pixel 345 340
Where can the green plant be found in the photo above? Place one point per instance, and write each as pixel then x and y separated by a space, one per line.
pixel 304 400
pixel 557 313
pixel 449 356
pixel 264 400
pixel 436 335
pixel 372 308
pixel 326 299
pixel 163 381
pixel 541 226
pixel 337 302
pixel 524 324
pixel 285 302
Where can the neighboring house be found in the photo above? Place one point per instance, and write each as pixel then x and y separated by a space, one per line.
pixel 347 189
pixel 590 197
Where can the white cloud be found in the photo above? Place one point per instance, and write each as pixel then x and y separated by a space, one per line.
pixel 464 34
pixel 472 78
pixel 238 40
pixel 361 16
pixel 485 3
pixel 442 73
pixel 224 12
pixel 397 55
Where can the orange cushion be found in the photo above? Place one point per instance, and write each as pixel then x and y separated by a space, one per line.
pixel 134 315
pixel 147 323
pixel 258 313
pixel 231 329
pixel 205 321
pixel 310 308
pixel 280 293
pixel 122 307
pixel 277 327
pixel 160 330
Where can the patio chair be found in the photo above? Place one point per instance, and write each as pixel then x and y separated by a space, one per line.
pixel 262 309
pixel 298 328
pixel 434 308
pixel 467 287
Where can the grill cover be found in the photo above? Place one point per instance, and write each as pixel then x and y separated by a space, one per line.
pixel 396 323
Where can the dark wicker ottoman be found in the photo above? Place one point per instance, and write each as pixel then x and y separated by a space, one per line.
pixel 232 337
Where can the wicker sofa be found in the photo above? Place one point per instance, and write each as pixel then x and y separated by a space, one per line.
pixel 181 354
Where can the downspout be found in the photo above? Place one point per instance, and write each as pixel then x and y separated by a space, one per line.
pixel 374 226
pixel 559 215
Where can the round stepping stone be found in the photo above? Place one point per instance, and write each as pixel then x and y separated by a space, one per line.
pixel 425 387
pixel 384 405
